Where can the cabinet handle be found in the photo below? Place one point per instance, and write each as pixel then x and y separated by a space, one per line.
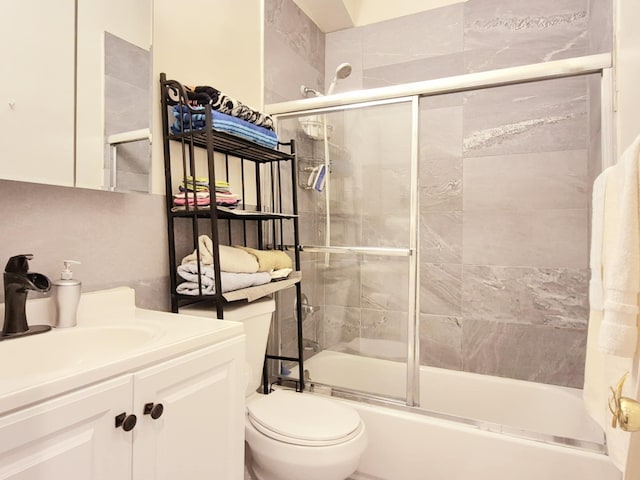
pixel 155 410
pixel 127 422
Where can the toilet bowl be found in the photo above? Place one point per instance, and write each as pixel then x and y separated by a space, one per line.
pixel 291 435
pixel 295 436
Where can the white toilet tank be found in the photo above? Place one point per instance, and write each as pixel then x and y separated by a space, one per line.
pixel 256 318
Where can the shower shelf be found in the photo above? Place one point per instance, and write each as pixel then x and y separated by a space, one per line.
pixel 268 221
pixel 336 152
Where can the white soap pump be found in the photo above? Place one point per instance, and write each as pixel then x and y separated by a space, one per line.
pixel 66 296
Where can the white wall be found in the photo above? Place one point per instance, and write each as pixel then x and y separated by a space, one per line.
pixel 199 42
pixel 333 15
pixel 364 12
pixel 627 64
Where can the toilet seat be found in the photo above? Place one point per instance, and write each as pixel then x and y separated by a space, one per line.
pixel 302 419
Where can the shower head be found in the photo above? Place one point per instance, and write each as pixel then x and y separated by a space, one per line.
pixel 309 92
pixel 343 71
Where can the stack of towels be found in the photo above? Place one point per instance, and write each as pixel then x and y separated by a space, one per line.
pixel 224 195
pixel 196 191
pixel 205 95
pixel 193 118
pixel 240 267
pixel 193 192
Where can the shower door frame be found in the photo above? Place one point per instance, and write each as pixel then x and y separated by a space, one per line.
pixel 413 388
pixel 571 67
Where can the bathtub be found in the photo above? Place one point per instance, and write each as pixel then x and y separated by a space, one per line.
pixel 469 426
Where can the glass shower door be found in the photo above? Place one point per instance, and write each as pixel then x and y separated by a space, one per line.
pixel 358 245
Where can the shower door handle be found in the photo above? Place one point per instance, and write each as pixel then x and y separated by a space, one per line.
pixel 383 251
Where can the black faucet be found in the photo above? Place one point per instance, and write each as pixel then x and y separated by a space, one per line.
pixel 17 282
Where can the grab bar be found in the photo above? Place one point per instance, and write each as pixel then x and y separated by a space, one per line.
pixel 386 251
pixel 120 139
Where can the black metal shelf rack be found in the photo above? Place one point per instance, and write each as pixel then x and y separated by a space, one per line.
pixel 276 218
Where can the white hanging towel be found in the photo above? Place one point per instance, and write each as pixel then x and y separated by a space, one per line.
pixel 619 331
pixel 612 343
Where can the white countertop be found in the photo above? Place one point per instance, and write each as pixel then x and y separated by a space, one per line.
pixel 112 338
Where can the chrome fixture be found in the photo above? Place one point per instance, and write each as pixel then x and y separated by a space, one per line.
pixel 310 345
pixel 309 92
pixel 342 72
pixel 307 308
pixel 17 283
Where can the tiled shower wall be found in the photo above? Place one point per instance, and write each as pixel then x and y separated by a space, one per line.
pixel 294 53
pixel 127 100
pixel 505 179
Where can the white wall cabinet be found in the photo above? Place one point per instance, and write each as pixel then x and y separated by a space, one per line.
pixel 198 435
pixel 37 47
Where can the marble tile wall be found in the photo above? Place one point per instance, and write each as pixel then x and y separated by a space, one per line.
pixel 505 178
pixel 294 52
pixel 600 28
pixel 500 33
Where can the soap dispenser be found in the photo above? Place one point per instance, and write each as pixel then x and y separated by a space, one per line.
pixel 66 296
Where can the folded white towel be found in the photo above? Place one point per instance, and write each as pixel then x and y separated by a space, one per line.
pixel 231 259
pixel 229 281
pixel 619 329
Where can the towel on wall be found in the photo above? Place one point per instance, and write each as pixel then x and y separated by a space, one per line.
pixel 619 329
pixel 594 390
pixel 231 259
pixel 614 263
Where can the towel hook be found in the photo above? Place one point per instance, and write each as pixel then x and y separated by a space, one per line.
pixel 625 411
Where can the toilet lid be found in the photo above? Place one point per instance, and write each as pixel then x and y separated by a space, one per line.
pixel 303 419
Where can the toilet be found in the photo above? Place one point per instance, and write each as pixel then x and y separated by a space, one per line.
pixel 290 435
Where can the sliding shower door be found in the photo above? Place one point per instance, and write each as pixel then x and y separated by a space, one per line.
pixel 356 201
pixel 505 179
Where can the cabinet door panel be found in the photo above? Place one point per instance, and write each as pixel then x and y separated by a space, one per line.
pixel 37 47
pixel 201 431
pixel 69 437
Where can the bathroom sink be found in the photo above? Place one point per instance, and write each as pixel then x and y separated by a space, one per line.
pixel 113 337
pixel 65 349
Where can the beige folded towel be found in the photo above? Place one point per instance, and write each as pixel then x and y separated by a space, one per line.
pixel 231 259
pixel 269 260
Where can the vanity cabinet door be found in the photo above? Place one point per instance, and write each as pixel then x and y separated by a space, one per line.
pixel 200 432
pixel 69 437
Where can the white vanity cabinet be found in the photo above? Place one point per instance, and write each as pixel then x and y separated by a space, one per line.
pixel 69 437
pixel 198 435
